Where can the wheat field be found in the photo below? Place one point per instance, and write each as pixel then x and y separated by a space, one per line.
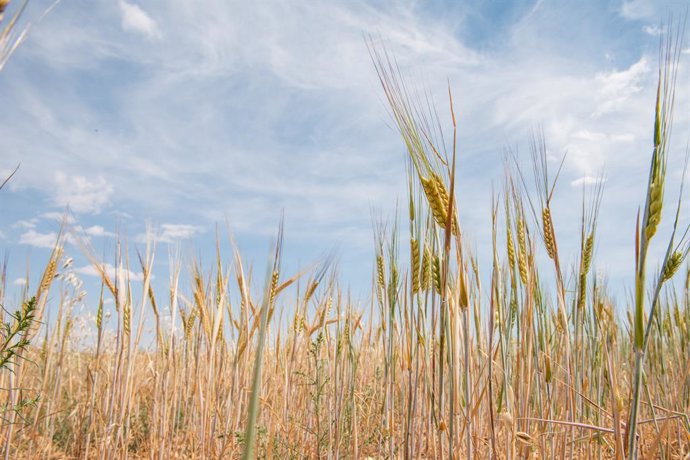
pixel 450 358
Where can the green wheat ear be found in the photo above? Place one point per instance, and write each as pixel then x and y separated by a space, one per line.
pixel 672 265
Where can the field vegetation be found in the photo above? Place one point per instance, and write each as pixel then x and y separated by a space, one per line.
pixel 449 360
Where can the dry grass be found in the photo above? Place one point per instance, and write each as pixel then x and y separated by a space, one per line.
pixel 438 366
pixel 346 383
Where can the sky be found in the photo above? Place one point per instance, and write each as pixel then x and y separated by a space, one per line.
pixel 197 119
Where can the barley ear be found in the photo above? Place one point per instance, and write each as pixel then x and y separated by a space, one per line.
pixel 549 239
pixel 415 264
pixel 672 265
pixel 587 254
pixel 438 211
pixel 380 273
pixel 522 250
pixel 127 320
pixel 436 273
pixel 582 290
pixel 426 268
pixel 443 196
pixel 656 199
pixel 274 286
pixel 510 247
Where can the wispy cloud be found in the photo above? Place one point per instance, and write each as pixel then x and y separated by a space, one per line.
pixel 171 233
pixel 81 194
pixel 654 31
pixel 26 224
pixel 617 87
pixel 43 240
pixel 637 9
pixel 37 239
pixel 65 217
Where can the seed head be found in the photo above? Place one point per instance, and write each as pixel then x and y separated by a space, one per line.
pixel 549 239
pixel 656 199
pixel 415 264
pixel 436 273
pixel 671 266
pixel 587 254
pixel 426 268
pixel 522 251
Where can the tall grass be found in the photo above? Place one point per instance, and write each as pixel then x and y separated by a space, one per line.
pixel 442 363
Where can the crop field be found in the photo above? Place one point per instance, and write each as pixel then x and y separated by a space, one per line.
pixel 516 354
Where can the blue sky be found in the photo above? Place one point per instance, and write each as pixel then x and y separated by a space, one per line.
pixel 192 116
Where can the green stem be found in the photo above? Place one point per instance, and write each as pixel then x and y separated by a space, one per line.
pixel 639 349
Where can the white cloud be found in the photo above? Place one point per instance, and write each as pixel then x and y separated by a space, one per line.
pixel 43 240
pixel 19 282
pixel 637 9
pixel 59 216
pixel 39 240
pixel 26 224
pixel 589 135
pixel 654 31
pixel 81 194
pixel 135 19
pixel 171 233
pixel 587 180
pixel 615 88
pixel 97 230
pixel 90 270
